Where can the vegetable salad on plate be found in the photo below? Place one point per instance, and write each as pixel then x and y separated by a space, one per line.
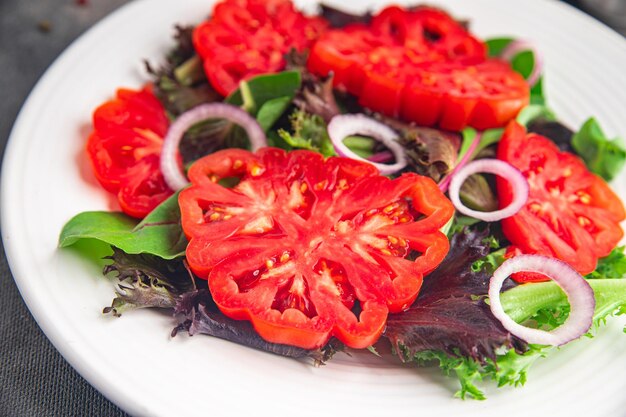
pixel 311 184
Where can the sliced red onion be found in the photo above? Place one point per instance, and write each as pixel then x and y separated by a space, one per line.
pixel 342 126
pixel 445 183
pixel 381 157
pixel 517 46
pixel 578 291
pixel 496 167
pixel 172 173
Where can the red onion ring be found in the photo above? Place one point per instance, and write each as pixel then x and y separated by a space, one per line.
pixel 172 172
pixel 445 183
pixel 517 46
pixel 342 126
pixel 496 167
pixel 578 291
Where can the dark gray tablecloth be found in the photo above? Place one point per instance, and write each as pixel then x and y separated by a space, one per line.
pixel 34 379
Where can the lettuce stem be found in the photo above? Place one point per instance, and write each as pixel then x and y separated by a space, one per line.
pixel 524 301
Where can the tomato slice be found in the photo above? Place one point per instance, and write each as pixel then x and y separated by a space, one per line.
pixel 571 214
pixel 455 95
pixel 422 66
pixel 245 38
pixel 125 147
pixel 307 248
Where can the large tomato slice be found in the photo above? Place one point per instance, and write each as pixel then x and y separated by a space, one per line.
pixel 422 66
pixel 245 38
pixel 125 147
pixel 571 214
pixel 307 248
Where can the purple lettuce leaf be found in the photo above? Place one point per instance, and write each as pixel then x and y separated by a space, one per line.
pixel 450 314
pixel 201 316
pixel 339 18
pixel 146 281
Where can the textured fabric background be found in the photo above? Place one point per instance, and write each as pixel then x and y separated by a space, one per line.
pixel 34 379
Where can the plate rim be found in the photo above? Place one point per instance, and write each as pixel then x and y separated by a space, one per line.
pixel 123 399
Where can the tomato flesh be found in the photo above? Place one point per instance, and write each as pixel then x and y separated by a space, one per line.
pixel 125 147
pixel 571 214
pixel 307 248
pixel 245 38
pixel 422 66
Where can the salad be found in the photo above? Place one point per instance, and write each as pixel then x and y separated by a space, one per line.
pixel 289 182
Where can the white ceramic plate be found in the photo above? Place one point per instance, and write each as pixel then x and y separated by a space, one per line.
pixel 134 362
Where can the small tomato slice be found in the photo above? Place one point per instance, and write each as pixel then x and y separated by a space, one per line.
pixel 245 38
pixel 428 33
pixel 125 147
pixel 454 95
pixel 343 52
pixel 307 248
pixel 571 214
pixel 423 66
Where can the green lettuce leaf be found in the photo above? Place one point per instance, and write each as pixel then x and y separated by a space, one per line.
pixel 308 131
pixel 603 156
pixel 546 305
pixel 524 302
pixel 534 112
pixel 256 92
pixel 159 234
pixel 611 266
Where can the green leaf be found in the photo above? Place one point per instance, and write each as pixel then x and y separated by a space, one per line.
pixel 488 137
pixel 257 91
pixel 360 143
pixel 537 95
pixel 525 301
pixel 476 194
pixel 271 111
pixel 189 72
pixel 603 156
pixel 523 63
pixel 459 223
pixel 611 266
pixel 308 131
pixel 533 112
pixel 495 46
pixel 511 368
pixel 159 234
pixel 468 134
pixel 491 262
pixel 492 136
pixel 521 303
pixel 466 370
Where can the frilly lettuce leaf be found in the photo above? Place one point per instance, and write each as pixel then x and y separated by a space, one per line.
pixel 308 131
pixel 146 281
pixel 611 266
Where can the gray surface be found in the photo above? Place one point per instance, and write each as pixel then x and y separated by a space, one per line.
pixel 34 379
